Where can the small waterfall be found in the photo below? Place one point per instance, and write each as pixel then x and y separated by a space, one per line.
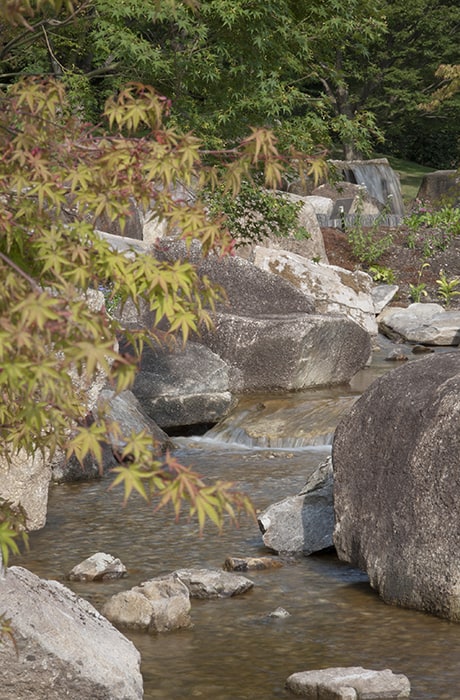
pixel 292 422
pixel 379 178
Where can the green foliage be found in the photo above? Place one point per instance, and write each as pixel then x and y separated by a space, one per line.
pixel 382 274
pixel 404 74
pixel 447 288
pixel 368 244
pixel 435 229
pixel 256 213
pixel 58 176
pixel 418 290
pixel 12 527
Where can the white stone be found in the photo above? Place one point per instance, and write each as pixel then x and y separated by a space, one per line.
pixel 213 583
pixel 334 289
pixel 98 567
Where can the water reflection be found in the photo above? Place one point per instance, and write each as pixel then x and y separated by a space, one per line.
pixel 234 650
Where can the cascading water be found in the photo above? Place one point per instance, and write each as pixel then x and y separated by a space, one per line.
pixel 378 177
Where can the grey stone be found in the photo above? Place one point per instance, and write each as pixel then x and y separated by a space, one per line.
pixel 303 523
pixel 334 289
pixel 183 386
pixel 70 470
pixel 98 567
pixel 130 246
pixel 26 480
pixel 427 324
pixel 125 410
pixel 288 351
pixel 161 604
pixel 440 185
pixel 396 485
pixel 213 583
pixel 132 228
pixel 252 563
pixel 63 647
pixel 382 294
pixel 249 291
pixel 353 683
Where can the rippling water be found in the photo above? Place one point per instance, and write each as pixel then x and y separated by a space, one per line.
pixel 234 651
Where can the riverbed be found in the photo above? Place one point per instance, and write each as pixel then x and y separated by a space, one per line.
pixel 235 650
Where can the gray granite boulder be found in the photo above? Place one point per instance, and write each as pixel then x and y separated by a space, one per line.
pixel 352 683
pixel 303 523
pixel 288 351
pixel 396 485
pixel 125 410
pixel 440 185
pixel 183 386
pixel 249 291
pixel 267 332
pixel 63 647
pixel 25 480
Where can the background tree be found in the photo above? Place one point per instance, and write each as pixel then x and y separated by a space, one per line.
pixel 421 35
pixel 224 66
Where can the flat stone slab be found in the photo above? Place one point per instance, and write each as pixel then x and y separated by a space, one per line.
pixel 352 683
pixel 428 324
pixel 213 583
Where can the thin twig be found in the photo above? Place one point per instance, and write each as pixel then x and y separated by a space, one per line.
pixel 21 272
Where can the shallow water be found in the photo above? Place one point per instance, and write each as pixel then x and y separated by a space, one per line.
pixel 234 651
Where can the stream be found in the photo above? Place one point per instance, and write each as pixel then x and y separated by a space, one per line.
pixel 234 649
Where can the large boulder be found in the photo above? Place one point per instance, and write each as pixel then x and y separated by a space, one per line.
pixel 266 330
pixel 249 291
pixel 334 289
pixel 288 351
pixel 183 386
pixel 302 524
pixel 396 485
pixel 63 648
pixel 126 411
pixel 25 479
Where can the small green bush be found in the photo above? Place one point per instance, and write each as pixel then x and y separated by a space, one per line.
pixel 256 213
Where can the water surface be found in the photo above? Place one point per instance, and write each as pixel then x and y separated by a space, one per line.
pixel 234 650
